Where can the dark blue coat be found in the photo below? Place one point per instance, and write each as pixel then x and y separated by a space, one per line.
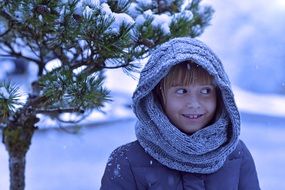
pixel 131 168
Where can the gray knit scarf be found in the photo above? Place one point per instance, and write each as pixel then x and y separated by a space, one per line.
pixel 206 150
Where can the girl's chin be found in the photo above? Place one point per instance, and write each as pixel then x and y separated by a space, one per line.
pixel 190 130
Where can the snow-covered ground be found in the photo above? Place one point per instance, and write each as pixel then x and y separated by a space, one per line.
pixel 60 160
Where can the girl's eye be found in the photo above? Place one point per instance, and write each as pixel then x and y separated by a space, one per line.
pixel 206 91
pixel 181 91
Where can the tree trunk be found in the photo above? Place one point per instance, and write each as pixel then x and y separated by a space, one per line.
pixel 17 140
pixel 17 172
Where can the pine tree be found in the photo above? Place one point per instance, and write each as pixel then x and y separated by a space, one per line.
pixel 86 37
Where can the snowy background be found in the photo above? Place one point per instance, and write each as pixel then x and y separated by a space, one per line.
pixel 247 36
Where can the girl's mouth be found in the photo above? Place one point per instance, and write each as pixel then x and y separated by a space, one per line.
pixel 192 116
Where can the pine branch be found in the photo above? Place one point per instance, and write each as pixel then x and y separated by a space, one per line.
pixel 78 39
pixel 58 111
pixel 13 53
pixel 7 16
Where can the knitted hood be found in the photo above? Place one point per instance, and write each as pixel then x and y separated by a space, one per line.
pixel 152 120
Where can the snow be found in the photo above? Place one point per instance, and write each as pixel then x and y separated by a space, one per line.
pixel 144 3
pixel 91 3
pixel 106 9
pixel 162 21
pixel 158 20
pixel 4 93
pixel 87 8
pixel 132 10
pixel 77 161
pixel 87 12
pixel 120 19
pixel 51 65
pixel 140 20
pixel 117 171
pixel 3 27
pixel 251 102
pixel 186 14
pixel 6 67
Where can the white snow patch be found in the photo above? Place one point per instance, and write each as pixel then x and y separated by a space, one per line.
pixel 56 63
pixel 184 14
pixel 4 92
pixel 6 67
pixel 117 171
pixel 132 10
pixel 106 9
pixel 162 21
pixel 87 12
pixel 144 3
pixel 91 3
pixel 271 104
pixel 120 19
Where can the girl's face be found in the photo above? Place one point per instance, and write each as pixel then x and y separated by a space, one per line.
pixel 190 107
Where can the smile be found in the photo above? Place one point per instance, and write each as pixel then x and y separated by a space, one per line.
pixel 192 116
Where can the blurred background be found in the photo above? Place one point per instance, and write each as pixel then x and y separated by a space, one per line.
pixel 248 38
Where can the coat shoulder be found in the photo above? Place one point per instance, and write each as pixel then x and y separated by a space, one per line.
pixel 134 153
pixel 129 149
pixel 118 173
pixel 248 179
pixel 241 151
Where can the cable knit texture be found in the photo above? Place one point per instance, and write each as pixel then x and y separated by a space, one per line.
pixel 206 150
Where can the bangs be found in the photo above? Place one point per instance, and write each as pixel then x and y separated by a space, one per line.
pixel 185 74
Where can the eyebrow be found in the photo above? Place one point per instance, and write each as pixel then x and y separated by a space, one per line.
pixel 180 85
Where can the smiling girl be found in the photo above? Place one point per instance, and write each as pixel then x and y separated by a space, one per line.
pixel 188 127
pixel 189 97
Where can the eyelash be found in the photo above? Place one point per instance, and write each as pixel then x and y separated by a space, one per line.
pixel 185 91
pixel 207 89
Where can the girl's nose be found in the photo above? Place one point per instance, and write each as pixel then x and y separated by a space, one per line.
pixel 193 102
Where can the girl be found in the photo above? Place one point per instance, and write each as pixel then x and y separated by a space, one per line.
pixel 188 127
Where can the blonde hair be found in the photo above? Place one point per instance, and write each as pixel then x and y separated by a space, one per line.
pixel 185 74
